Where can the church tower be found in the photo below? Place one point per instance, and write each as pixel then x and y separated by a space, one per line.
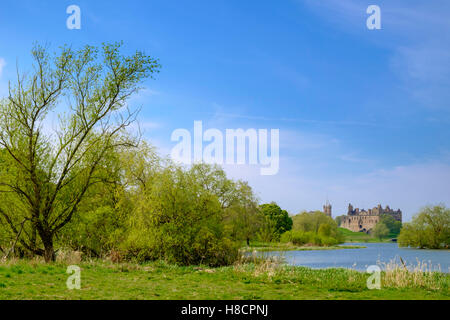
pixel 327 209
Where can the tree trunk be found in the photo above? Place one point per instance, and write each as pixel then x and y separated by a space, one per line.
pixel 248 241
pixel 49 252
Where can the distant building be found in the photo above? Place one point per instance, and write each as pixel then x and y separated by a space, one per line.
pixel 364 221
pixel 327 209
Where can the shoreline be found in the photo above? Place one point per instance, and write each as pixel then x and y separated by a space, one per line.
pixel 290 247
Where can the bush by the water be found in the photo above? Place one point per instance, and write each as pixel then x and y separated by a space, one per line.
pixel 276 222
pixel 178 220
pixel 430 228
pixel 301 238
pixel 313 228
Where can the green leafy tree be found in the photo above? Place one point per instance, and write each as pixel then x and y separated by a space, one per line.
pixel 177 220
pixel 267 231
pixel 311 221
pixel 393 225
pixel 102 214
pixel 325 230
pixel 280 219
pixel 314 228
pixel 50 173
pixel 214 179
pixel 430 228
pixel 381 230
pixel 243 217
pixel 237 200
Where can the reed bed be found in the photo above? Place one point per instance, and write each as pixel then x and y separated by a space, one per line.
pixel 398 274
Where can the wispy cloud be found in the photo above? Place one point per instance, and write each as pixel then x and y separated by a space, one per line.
pixel 143 96
pixel 145 128
pixel 407 187
pixel 416 32
pixel 296 120
pixel 352 157
pixel 2 65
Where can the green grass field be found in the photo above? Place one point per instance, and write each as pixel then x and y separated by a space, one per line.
pixel 105 280
pixel 351 236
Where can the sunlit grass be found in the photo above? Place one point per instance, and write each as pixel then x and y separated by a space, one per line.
pixel 249 278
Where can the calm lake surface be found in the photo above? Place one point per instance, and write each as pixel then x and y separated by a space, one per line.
pixel 360 259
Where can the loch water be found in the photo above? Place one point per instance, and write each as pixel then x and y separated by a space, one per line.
pixel 373 254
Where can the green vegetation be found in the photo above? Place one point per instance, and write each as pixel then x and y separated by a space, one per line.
pixel 277 221
pixel 313 228
pixel 151 209
pixel 90 186
pixel 141 223
pixel 257 280
pixel 380 231
pixel 339 219
pixel 43 177
pixel 430 228
pixel 385 230
pixel 351 236
pixel 387 227
pixel 392 225
pixel 289 246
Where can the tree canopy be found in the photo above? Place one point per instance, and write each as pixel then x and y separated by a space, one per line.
pixel 47 172
pixel 278 220
pixel 313 228
pixel 430 228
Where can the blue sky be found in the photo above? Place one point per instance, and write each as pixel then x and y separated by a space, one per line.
pixel 363 114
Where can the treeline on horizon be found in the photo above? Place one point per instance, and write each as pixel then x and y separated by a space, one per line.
pixel 90 185
pixel 429 228
pixel 144 207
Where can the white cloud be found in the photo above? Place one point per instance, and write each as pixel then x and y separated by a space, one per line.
pixel 147 125
pixel 352 157
pixel 223 117
pixel 310 172
pixel 425 72
pixel 2 65
pixel 406 187
pixel 142 97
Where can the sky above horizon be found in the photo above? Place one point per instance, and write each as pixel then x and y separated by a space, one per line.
pixel 363 114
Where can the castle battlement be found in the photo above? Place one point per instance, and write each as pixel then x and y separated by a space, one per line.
pixel 361 220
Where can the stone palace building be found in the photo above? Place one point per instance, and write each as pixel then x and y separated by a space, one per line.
pixel 364 221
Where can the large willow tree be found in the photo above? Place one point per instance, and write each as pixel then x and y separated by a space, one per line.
pixel 46 168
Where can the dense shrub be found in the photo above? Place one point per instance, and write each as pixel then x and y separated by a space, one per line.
pixel 301 238
pixel 314 228
pixel 179 221
pixel 277 221
pixel 430 228
pixel 295 237
pixel 393 225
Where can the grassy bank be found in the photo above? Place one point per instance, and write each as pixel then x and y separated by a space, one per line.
pixel 266 280
pixel 351 236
